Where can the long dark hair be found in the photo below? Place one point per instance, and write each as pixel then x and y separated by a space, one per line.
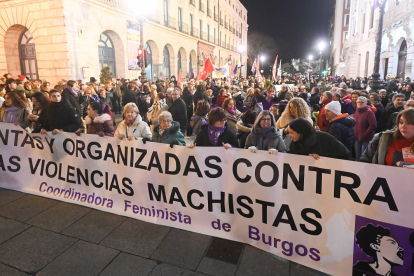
pixel 42 99
pixel 16 99
pixel 408 115
pixel 303 127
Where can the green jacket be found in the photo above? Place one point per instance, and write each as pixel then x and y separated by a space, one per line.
pixel 169 136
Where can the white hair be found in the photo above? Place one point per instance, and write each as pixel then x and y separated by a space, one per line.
pixel 363 98
pixel 165 114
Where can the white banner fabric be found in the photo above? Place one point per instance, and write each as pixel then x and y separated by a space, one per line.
pixel 292 206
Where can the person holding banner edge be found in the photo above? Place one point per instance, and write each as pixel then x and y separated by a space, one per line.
pixel 167 131
pixel 216 133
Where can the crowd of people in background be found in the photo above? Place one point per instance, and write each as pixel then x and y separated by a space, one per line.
pixel 331 117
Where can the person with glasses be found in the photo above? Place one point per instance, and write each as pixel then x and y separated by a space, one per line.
pixel 264 135
pixel 217 132
pixel 365 126
pixel 167 131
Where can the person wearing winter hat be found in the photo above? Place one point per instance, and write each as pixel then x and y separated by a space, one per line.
pixel 341 126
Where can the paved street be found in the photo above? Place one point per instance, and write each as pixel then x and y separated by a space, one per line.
pixel 41 236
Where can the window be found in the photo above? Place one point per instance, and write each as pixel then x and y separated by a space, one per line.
pixel 208 33
pixel 346 21
pixel 371 25
pixel 346 36
pixel 397 2
pixel 166 12
pixel 191 24
pixel 201 29
pixel 348 4
pixel 363 23
pixel 214 35
pixel 220 38
pixel 180 19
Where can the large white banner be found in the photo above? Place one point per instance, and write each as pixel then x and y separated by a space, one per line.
pixel 332 215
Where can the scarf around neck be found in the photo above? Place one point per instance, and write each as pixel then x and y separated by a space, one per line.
pixel 231 111
pixel 10 114
pixel 214 133
pixel 74 91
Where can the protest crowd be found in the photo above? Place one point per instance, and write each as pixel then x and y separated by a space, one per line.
pixel 332 117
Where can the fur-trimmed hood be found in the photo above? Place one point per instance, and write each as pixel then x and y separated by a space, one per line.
pixel 242 127
pixel 98 119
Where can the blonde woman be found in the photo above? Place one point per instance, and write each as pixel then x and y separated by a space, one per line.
pixel 296 108
pixel 133 127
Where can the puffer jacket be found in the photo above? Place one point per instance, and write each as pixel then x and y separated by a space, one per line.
pixel 196 123
pixel 169 136
pixel 138 129
pixel 320 143
pixel 262 143
pixel 102 123
pixel 376 150
pixel 242 132
pixel 342 128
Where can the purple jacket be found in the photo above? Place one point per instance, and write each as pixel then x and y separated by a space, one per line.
pixel 365 124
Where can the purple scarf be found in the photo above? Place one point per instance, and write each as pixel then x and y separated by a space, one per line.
pixel 214 133
pixel 130 122
pixel 10 114
pixel 231 111
pixel 73 91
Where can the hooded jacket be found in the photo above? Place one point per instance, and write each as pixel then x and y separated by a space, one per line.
pixel 233 119
pixel 102 123
pixel 342 128
pixel 376 150
pixel 138 129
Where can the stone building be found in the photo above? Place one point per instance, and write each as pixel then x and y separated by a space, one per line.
pixel 356 24
pixel 74 39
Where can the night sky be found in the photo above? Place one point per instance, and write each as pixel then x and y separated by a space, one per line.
pixel 297 25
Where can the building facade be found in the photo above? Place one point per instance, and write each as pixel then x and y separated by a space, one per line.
pixel 356 26
pixel 74 39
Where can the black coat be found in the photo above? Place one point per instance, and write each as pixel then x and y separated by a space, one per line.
pixel 387 118
pixel 199 96
pixel 129 97
pixel 67 95
pixel 63 116
pixel 178 111
pixel 227 137
pixel 314 99
pixel 320 143
pixel 343 130
pixel 40 123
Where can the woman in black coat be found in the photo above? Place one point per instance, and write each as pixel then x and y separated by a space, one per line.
pixel 38 117
pixel 216 133
pixel 307 141
pixel 188 98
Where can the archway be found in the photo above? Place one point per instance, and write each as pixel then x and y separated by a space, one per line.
pixel 154 66
pixel 166 62
pixel 402 60
pixel 192 64
pixel 106 53
pixel 182 61
pixel 20 52
pixel 149 69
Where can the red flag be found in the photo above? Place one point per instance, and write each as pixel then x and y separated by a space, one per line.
pixel 163 76
pixel 274 71
pixel 208 68
pixel 180 77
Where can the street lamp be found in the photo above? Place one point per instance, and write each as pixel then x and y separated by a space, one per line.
pixel 240 48
pixel 137 7
pixel 375 83
pixel 262 59
pixel 321 46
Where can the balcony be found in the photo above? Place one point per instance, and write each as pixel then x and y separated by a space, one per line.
pixel 226 25
pixel 192 2
pixel 234 30
pixel 170 22
pixel 230 28
pixel 209 13
pixel 221 21
pixel 228 46
pixel 223 44
pixel 195 32
pixel 202 8
pixel 211 39
pixel 237 33
pixel 183 27
pixel 240 35
pixel 154 17
pixel 204 36
pixel 216 17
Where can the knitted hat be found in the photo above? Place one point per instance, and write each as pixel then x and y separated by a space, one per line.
pixel 334 107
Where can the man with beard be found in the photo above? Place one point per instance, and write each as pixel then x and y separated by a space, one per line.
pixel 376 241
pixel 60 116
pixel 396 106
